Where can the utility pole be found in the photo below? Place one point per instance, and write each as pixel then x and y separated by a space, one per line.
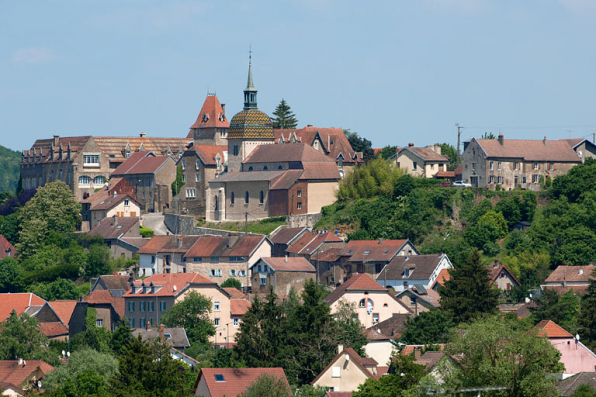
pixel 246 223
pixel 458 139
pixel 593 137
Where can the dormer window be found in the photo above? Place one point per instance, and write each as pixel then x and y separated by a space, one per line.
pixel 407 272
pixel 366 252
pixel 205 117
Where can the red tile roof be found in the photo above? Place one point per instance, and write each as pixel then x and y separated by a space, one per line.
pixel 171 284
pixel 571 273
pixel 443 277
pixel 358 282
pixel 63 309
pixel 112 201
pixel 239 307
pixel 550 329
pixel 138 242
pixel 426 153
pixel 530 150
pixel 235 380
pixel 53 329
pixel 235 293
pixel 494 272
pixel 224 246
pixel 99 297
pixel 327 255
pixel 361 362
pixel 211 115
pixel 294 152
pixel 445 174
pixel 141 163
pixel 116 185
pixel 319 170
pixel 338 394
pixel 379 250
pixel 429 359
pixel 286 234
pixel 108 230
pixel 159 244
pixel 116 146
pixel 310 241
pixel 19 302
pixel 290 264
pixel 560 290
pixel 6 248
pixel 374 334
pixel 16 375
pixel 113 281
pixel 207 153
pixel 409 349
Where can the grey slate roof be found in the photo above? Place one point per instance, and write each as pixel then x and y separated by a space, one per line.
pixel 177 336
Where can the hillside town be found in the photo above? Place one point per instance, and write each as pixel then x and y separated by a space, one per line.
pixel 248 258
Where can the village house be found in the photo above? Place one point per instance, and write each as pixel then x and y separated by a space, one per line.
pixel 85 163
pixel 152 177
pixel 513 163
pixel 22 377
pixel 149 299
pixel 116 206
pixel 175 337
pixel 113 229
pixel 372 302
pixel 574 355
pixel 165 254
pixel 311 242
pixel 404 271
pixel 379 346
pixel 347 371
pixel 6 248
pixel 112 282
pixel 281 275
pixel 423 162
pixel 565 278
pixel 221 257
pixel 501 277
pixel 222 382
pixel 419 299
pixel 109 309
pixel 568 386
pixel 114 187
pixel 332 142
pixel 283 237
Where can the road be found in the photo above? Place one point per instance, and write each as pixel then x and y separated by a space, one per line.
pixel 154 221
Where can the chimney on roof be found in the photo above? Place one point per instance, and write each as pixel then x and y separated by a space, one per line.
pixel 410 144
pixel 501 139
pixel 179 242
pixel 56 139
pixel 162 337
pixel 417 353
pixel 131 277
pixel 144 287
pixel 286 259
pixel 544 140
pixel 142 135
pixel 223 109
pixel 380 241
pixel 340 348
pixel 114 220
pixel 496 264
pixel 581 271
pixel 20 362
pixel 152 287
pixel 309 125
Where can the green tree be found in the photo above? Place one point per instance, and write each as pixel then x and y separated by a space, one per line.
pixel 9 169
pixel 490 227
pixel 148 369
pixel 121 337
pixel 449 151
pixel 350 331
pixel 98 261
pixel 231 283
pixel 360 144
pixel 10 227
pixel 579 179
pixel 59 289
pixel 284 118
pixel 11 274
pixel 563 310
pixel 587 318
pixel 93 337
pixel 584 390
pixel 192 314
pixel 388 151
pixel 488 135
pixel 427 328
pixel 405 375
pixel 468 293
pixel 494 352
pixel 268 386
pixel 53 208
pixel 178 182
pixel 21 338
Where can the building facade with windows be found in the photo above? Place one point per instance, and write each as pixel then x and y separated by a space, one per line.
pixel 211 127
pixel 85 163
pixel 423 162
pixel 516 163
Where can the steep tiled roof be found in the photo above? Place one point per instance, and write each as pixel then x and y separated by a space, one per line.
pixel 177 336
pixel 319 170
pixel 571 273
pixel 430 296
pixel 99 297
pixel 18 302
pixel 442 277
pixel 421 267
pixel 286 234
pixel 112 201
pixel 308 242
pixel 235 293
pixel 207 153
pixel 445 174
pixel 530 150
pixel 108 229
pixel 293 152
pixel 141 163
pixel 171 283
pixel 45 146
pixel 494 272
pixel 358 282
pixel 327 255
pixel 235 380
pixel 425 153
pixel 115 146
pixel 168 244
pixel 14 374
pixel 63 309
pixel 373 334
pixel 286 180
pixel 568 386
pixel 429 359
pixel 409 349
pixel 6 248
pixel 393 326
pixel 550 329
pixel 116 185
pixel 138 242
pixel 114 281
pixel 239 307
pixel 251 124
pixel 361 362
pixel 53 329
pixel 211 115
pixel 378 250
pixel 289 264
pixel 224 246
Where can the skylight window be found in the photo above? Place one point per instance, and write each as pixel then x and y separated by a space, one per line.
pixel 386 252
pixel 219 378
pixel 366 252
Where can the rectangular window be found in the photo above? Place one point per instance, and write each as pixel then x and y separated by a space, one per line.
pixel 499 165
pixel 197 259
pixel 184 178
pixel 197 167
pixel 474 166
pixel 535 178
pixel 236 150
pixel 491 179
pixel 162 306
pixel 191 193
pixel 183 165
pixel 99 322
pixel 242 273
pixel 216 321
pixel 198 177
pixel 142 306
pixel 336 372
pixel 142 322
pixel 263 281
pixel 551 166
pixel 216 306
pixel 214 259
pixel 151 306
pixel 131 323
pixel 299 205
pixel 91 160
pixel 535 165
pixel 236 322
pixel 153 259
pixel 131 306
pixel 375 318
pixel 299 193
pixel 491 165
pixel 517 165
pixel 415 166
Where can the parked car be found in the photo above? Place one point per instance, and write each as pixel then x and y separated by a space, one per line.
pixel 461 184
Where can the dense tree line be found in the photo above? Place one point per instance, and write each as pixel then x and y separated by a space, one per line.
pixel 9 169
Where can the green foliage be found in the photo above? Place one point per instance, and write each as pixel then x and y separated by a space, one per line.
pixel 405 375
pixel 283 117
pixel 494 352
pixel 360 144
pixel 103 365
pixel 231 283
pixel 148 369
pixel 267 386
pixel 146 232
pixel 98 261
pixel 578 180
pixel 59 289
pixel 9 169
pixel 387 152
pixel 11 274
pixel 584 390
pixel 53 208
pixel 69 271
pixel 93 337
pixel 427 328
pixel 10 227
pixel 376 178
pixel 488 135
pixel 490 227
pixel 120 338
pixel 192 314
pixel 350 331
pixel 310 391
pixel 263 226
pixel 21 338
pixel 468 294
pixel 587 318
pixel 449 151
pixel 178 182
pixel 563 310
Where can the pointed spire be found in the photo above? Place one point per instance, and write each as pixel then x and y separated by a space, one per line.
pixel 250 84
pixel 250 93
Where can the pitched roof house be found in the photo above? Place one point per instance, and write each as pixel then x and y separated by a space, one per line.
pixel 220 382
pixel 283 236
pixel 19 377
pixel 6 248
pixel 422 161
pixel 310 242
pixel 373 302
pixel 281 275
pixel 404 271
pixel 501 277
pixel 212 125
pixel 565 278
pixel 568 386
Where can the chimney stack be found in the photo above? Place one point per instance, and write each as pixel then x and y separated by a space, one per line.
pixel 417 353
pixel 501 139
pixel 544 140
pixel 142 135
pixel 114 220
pixel 162 337
pixel 410 144
pixel 223 109
pixel 286 260
pixel 179 243
pixel 340 348
pixel 581 271
pixel 56 139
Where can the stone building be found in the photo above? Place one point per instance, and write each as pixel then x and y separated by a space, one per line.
pixel 85 163
pixel 423 162
pixel 152 178
pixel 281 275
pixel 516 163
pixel 211 127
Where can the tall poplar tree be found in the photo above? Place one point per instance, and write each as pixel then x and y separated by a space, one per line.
pixel 587 317
pixel 284 117
pixel 468 293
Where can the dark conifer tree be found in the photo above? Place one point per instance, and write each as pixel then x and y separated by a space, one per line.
pixel 284 117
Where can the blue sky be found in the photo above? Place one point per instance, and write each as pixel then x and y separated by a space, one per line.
pixel 394 71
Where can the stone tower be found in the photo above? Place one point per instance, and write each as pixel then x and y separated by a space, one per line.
pixel 211 127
